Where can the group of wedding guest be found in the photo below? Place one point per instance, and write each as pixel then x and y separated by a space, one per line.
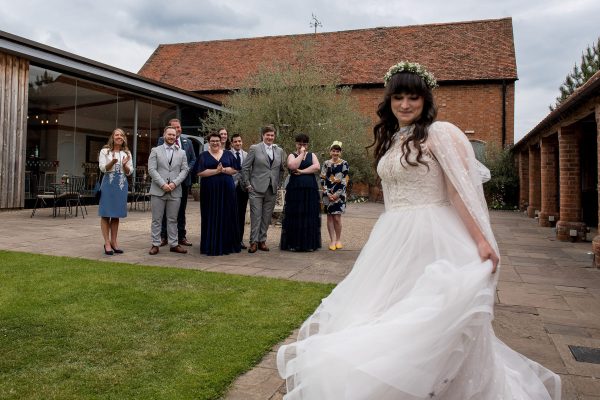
pixel 231 178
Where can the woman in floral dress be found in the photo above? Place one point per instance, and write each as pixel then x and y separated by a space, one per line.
pixel 334 179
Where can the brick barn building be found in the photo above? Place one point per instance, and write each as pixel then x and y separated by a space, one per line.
pixel 559 163
pixel 474 63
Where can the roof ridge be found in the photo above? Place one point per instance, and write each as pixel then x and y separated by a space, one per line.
pixel 340 31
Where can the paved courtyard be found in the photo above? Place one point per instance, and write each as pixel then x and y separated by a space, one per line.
pixel 548 295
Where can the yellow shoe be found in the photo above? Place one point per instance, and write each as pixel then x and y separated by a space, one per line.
pixel 339 246
pixel 332 247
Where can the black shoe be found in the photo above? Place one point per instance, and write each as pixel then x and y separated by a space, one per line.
pixel 117 251
pixel 108 252
pixel 243 246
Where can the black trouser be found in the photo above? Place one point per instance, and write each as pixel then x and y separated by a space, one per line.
pixel 242 203
pixel 181 232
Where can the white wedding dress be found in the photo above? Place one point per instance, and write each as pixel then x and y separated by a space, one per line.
pixel 412 320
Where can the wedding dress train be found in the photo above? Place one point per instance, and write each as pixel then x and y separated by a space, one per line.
pixel 412 320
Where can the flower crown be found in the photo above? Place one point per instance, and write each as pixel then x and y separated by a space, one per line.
pixel 415 68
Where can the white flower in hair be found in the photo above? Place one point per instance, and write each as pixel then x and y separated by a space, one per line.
pixel 415 68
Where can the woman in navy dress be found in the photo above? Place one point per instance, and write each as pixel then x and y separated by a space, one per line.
pixel 218 204
pixel 301 226
pixel 114 161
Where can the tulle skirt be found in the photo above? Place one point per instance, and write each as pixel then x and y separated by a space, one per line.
pixel 412 320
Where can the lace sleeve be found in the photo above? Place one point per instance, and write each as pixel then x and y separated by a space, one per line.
pixel 455 155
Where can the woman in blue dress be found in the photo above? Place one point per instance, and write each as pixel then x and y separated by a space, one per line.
pixel 301 226
pixel 218 204
pixel 334 179
pixel 114 161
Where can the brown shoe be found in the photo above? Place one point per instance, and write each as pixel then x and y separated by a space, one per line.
pixel 153 250
pixel 263 246
pixel 178 249
pixel 163 242
pixel 252 248
pixel 184 242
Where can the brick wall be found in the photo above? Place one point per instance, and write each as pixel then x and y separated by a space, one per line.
pixel 570 186
pixel 549 186
pixel 535 187
pixel 570 178
pixel 472 107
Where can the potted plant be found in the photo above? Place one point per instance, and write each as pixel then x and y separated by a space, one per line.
pixel 195 190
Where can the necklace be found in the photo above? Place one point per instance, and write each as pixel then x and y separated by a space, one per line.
pixel 404 132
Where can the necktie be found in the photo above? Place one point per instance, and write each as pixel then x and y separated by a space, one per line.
pixel 177 143
pixel 237 156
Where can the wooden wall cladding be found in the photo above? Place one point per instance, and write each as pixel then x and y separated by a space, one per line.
pixel 14 79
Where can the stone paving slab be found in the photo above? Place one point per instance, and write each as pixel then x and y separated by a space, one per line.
pixel 548 296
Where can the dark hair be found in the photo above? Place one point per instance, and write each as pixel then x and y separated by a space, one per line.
pixel 214 134
pixel 227 142
pixel 301 137
pixel 235 135
pixel 267 128
pixel 409 83
pixel 336 147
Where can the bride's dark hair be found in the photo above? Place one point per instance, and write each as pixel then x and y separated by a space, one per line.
pixel 408 83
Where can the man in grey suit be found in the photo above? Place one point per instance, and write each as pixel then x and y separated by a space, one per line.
pixel 185 144
pixel 240 190
pixel 167 165
pixel 262 173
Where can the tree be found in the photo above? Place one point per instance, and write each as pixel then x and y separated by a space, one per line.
pixel 590 64
pixel 299 96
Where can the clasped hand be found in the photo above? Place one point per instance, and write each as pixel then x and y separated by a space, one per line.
pixel 168 187
pixel 224 170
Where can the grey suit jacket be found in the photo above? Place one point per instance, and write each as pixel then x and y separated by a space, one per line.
pixel 237 178
pixel 258 172
pixel 188 147
pixel 161 172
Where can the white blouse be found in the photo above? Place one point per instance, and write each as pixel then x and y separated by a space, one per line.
pixel 106 156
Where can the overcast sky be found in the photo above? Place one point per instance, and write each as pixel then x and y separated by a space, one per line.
pixel 549 35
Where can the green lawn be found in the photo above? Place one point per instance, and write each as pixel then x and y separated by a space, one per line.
pixel 79 329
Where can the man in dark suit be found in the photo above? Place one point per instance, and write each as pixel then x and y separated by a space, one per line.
pixel 241 192
pixel 262 173
pixel 185 144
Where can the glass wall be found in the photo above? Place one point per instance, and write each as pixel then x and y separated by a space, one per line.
pixel 70 119
pixel 153 116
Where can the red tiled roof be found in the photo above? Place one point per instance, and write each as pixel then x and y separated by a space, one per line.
pixel 462 51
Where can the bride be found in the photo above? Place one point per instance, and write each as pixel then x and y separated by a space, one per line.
pixel 413 318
